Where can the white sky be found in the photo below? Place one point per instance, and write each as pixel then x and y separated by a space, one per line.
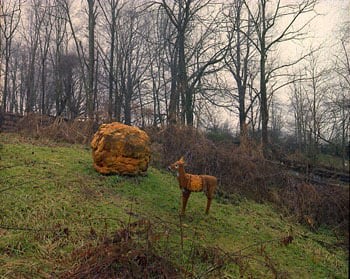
pixel 333 12
pixel 323 30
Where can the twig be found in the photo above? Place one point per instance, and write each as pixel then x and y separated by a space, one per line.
pixel 210 270
pixel 16 186
pixel 26 229
pixel 257 244
pixel 181 233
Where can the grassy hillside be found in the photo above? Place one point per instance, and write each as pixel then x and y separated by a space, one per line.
pixel 53 203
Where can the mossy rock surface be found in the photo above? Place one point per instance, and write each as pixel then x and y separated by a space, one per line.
pixel 120 149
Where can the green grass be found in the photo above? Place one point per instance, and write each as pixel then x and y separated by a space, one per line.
pixel 52 202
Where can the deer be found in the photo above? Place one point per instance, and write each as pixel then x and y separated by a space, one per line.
pixel 193 183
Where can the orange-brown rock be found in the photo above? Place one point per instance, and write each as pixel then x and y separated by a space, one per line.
pixel 120 149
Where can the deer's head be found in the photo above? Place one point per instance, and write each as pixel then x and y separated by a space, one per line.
pixel 175 166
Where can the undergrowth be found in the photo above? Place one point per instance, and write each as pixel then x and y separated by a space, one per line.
pixel 242 169
pixel 59 218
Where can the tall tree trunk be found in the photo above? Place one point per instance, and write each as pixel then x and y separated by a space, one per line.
pixel 6 75
pixel 91 63
pixel 186 101
pixel 174 92
pixel 111 68
pixel 263 104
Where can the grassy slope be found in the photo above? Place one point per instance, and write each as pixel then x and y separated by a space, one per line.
pixel 52 202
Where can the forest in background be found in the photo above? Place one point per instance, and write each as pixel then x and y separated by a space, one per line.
pixel 187 62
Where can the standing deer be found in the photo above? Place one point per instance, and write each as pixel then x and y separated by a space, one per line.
pixel 193 183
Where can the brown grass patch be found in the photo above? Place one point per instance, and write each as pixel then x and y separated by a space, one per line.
pixel 128 254
pixel 57 128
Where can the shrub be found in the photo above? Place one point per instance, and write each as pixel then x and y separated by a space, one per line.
pixel 240 169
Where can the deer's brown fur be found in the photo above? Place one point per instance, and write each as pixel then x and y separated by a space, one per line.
pixel 193 183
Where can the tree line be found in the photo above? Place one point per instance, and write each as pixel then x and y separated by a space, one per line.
pixel 159 62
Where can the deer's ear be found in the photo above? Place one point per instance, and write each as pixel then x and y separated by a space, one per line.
pixel 182 160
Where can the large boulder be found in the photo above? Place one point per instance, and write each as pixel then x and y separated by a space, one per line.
pixel 120 149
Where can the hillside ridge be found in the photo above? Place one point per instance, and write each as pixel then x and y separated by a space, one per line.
pixel 53 205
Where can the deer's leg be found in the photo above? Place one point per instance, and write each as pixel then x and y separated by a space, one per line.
pixel 185 196
pixel 208 205
pixel 209 192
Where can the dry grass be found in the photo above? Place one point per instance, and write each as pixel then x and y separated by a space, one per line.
pixel 129 254
pixel 58 129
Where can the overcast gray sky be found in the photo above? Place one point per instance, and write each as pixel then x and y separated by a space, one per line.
pixel 333 14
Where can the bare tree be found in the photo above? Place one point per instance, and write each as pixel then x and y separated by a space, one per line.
pixel 59 22
pixel 310 96
pixel 111 11
pixel 240 55
pixel 265 18
pixel 299 108
pixel 10 18
pixel 316 97
pixel 131 58
pixel 34 25
pixel 92 14
pixel 87 84
pixel 340 99
pixel 44 45
pixel 183 15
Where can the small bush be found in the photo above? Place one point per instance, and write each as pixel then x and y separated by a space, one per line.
pixel 316 205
